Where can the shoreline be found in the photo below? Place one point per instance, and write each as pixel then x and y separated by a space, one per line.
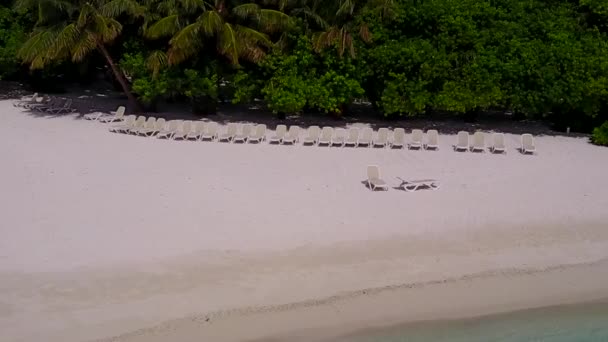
pixel 368 310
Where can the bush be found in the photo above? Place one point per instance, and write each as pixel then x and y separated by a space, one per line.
pixel 600 135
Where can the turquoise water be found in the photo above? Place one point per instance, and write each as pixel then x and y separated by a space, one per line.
pixel 579 323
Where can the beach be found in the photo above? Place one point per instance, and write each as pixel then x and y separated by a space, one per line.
pixel 110 237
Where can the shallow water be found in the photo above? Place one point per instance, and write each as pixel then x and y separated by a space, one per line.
pixel 577 323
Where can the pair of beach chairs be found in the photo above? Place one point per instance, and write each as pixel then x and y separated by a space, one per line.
pixel 139 125
pixel 477 143
pixel 45 104
pixel 375 182
pixel 242 133
pixel 114 116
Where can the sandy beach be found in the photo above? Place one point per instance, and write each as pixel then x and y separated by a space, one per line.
pixel 110 237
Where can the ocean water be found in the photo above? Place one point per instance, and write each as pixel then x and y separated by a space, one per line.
pixel 576 323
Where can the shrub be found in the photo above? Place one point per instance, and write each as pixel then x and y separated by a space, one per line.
pixel 600 135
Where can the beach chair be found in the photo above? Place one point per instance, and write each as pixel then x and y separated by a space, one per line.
pixel 117 115
pixel 398 138
pixel 462 143
pixel 148 125
pixel 293 136
pixel 242 137
pixel 258 135
pixel 416 141
pixel 414 185
pixel 527 144
pixel 25 99
pixel 478 142
pixel 381 138
pixel 39 101
pixel 198 128
pixel 279 134
pixel 339 137
pixel 365 138
pixel 124 126
pixel 374 181
pixel 45 105
pixel 498 143
pixel 66 108
pixel 210 132
pixel 139 123
pixel 313 135
pixel 170 128
pixel 326 134
pixel 352 138
pixel 182 132
pixel 151 130
pixel 230 132
pixel 432 137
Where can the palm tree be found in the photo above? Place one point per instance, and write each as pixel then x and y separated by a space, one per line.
pixel 240 31
pixel 73 29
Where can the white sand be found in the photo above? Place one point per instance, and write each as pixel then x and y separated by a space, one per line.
pixel 103 234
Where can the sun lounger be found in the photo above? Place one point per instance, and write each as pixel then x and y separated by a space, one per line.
pixel 118 115
pixel 25 99
pixel 414 185
pixel 365 138
pixel 293 136
pixel 432 137
pixel 39 101
pixel 170 128
pixel 498 143
pixel 150 130
pixel 313 135
pixel 45 105
pixel 63 109
pixel 244 133
pixel 210 132
pixel 479 144
pixel 183 131
pixel 326 134
pixel 231 130
pixel 123 127
pixel 416 141
pixel 462 143
pixel 279 134
pixel 148 125
pixel 398 138
pixel 374 181
pixel 258 134
pixel 196 131
pixel 339 137
pixel 381 138
pixel 139 123
pixel 527 144
pixel 352 137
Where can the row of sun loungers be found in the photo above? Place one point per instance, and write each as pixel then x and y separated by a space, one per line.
pixel 45 104
pixel 375 182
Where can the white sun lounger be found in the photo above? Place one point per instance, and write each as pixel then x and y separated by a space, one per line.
pixel 398 138
pixel 150 131
pixel 183 131
pixel 352 138
pixel 326 134
pixel 293 135
pixel 414 185
pixel 210 132
pixel 365 138
pixel 124 126
pixel 148 125
pixel 244 134
pixel 313 135
pixel 431 140
pixel 198 127
pixel 479 144
pixel 65 108
pixel 462 143
pixel 381 138
pixel 279 134
pixel 258 135
pixel 527 144
pixel 139 123
pixel 114 116
pixel 170 128
pixel 374 181
pixel 498 143
pixel 339 137
pixel 416 141
pixel 25 99
pixel 230 132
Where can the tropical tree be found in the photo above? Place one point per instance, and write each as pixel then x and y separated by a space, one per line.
pixel 239 31
pixel 73 29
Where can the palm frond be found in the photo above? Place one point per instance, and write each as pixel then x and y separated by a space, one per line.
pixel 106 29
pixel 311 16
pixel 86 11
pixel 38 48
pixel 274 21
pixel 114 8
pixel 322 40
pixel 364 33
pixel 185 43
pixel 250 36
pixel 247 11
pixel 65 40
pixel 167 26
pixel 82 47
pixel 191 6
pixel 228 45
pixel 156 61
pixel 211 23
pixel 347 8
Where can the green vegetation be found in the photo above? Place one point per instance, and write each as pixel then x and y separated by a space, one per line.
pixel 600 135
pixel 540 59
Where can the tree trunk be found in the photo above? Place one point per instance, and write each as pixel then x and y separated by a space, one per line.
pixel 120 78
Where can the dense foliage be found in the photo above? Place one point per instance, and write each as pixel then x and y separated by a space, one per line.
pixel 600 135
pixel 538 58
